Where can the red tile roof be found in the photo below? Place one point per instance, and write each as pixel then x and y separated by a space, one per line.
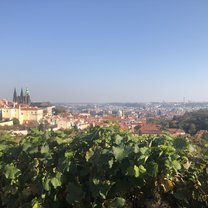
pixel 176 131
pixel 150 129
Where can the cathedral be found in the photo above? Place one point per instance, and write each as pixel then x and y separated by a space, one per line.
pixel 23 98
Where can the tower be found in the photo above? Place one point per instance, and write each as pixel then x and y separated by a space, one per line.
pixel 21 96
pixel 27 99
pixel 15 95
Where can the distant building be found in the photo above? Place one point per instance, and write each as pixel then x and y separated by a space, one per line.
pixel 148 129
pixel 25 115
pixel 23 112
pixel 23 98
pixel 176 132
pixel 47 107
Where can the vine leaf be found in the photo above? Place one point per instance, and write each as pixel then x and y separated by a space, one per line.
pixel 118 203
pixel 89 154
pixel 119 153
pixel 11 172
pixel 152 169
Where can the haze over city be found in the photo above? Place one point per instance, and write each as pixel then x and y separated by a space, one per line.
pixel 105 51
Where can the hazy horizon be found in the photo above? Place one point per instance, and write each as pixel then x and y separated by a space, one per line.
pixel 105 51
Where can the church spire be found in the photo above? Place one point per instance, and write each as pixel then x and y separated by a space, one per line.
pixel 21 96
pixel 15 95
pixel 27 97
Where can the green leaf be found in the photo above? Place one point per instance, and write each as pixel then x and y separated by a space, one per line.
pixel 56 182
pixel 89 154
pixel 95 181
pixel 44 149
pixel 36 203
pixel 118 139
pixel 46 184
pixel 3 147
pixel 142 169
pixel 136 171
pixel 145 150
pixel 152 169
pixel 118 202
pixel 130 170
pixel 110 163
pixel 74 193
pixel 176 165
pixel 59 140
pixel 180 143
pixel 135 149
pixel 139 170
pixel 168 138
pixel 69 154
pixel 11 172
pixel 119 153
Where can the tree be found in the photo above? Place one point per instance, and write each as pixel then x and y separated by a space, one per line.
pixel 192 129
pixel 16 122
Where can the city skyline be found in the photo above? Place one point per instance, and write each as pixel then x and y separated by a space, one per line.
pixel 25 92
pixel 110 51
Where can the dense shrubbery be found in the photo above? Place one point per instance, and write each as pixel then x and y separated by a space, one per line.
pixel 191 122
pixel 101 167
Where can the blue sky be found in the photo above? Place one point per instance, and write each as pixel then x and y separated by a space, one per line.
pixel 105 50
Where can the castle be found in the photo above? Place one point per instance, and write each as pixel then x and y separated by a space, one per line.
pixel 23 98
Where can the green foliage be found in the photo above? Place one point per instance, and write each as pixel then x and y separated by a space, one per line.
pixel 16 122
pixel 191 122
pixel 101 167
pixel 118 203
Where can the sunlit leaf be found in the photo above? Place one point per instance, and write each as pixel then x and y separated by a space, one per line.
pixel 11 172
pixel 118 139
pixel 89 154
pixel 176 165
pixel 44 149
pixel 136 171
pixel 56 182
pixel 119 153
pixel 118 203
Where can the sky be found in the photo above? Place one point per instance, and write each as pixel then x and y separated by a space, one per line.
pixel 104 50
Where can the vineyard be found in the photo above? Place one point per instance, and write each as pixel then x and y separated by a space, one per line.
pixel 102 167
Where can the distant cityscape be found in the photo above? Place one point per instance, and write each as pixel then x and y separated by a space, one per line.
pixel 133 117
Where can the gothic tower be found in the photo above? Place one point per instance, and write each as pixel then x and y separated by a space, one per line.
pixel 15 96
pixel 21 96
pixel 27 97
